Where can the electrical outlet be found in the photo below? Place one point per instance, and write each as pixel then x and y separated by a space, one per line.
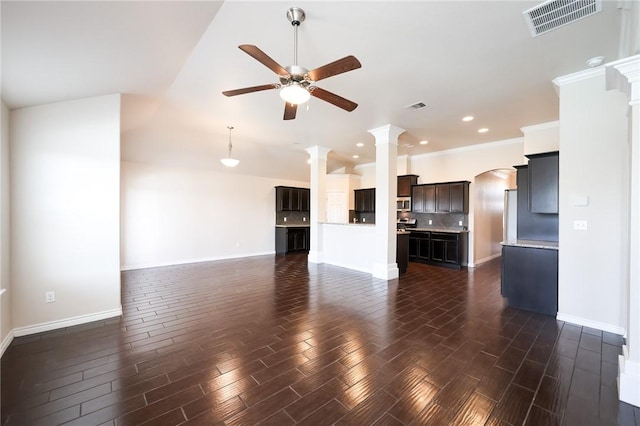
pixel 580 225
pixel 304 219
pixel 364 219
pixel 459 223
pixel 430 222
pixel 50 296
pixel 285 219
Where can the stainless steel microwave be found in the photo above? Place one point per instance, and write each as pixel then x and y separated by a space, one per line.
pixel 404 204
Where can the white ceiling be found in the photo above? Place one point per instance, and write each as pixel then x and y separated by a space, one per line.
pixel 172 60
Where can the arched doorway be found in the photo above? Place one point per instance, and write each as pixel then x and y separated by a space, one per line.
pixel 488 213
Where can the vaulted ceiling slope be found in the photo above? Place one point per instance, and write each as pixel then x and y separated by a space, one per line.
pixel 172 60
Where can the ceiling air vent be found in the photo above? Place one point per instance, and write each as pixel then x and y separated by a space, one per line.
pixel 553 14
pixel 416 106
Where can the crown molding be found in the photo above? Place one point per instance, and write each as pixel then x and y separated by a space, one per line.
pixel 541 126
pixel 624 75
pixel 565 80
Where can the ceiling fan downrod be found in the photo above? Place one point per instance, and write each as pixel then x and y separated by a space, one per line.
pixel 296 16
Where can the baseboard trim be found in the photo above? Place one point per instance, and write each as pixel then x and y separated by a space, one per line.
pixel 67 322
pixel 628 379
pixel 591 324
pixel 6 342
pixel 186 261
pixel 488 258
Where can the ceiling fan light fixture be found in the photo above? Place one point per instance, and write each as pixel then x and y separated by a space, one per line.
pixel 294 93
pixel 230 161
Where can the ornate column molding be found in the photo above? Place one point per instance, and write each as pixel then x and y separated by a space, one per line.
pixel 624 75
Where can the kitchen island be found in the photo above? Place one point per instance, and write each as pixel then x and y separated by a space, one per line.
pixel 530 275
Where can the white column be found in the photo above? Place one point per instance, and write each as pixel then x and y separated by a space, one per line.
pixel 624 75
pixel 384 265
pixel 318 213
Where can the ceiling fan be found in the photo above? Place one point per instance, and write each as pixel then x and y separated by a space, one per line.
pixel 296 83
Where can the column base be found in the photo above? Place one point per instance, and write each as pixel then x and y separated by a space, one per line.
pixel 628 379
pixel 386 271
pixel 315 257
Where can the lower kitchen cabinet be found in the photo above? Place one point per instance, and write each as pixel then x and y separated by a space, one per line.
pixel 439 248
pixel 402 252
pixel 530 278
pixel 292 239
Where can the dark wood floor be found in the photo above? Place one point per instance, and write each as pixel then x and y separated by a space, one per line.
pixel 271 340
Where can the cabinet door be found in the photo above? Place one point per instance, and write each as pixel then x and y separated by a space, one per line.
pixel 543 183
pixel 417 199
pixel 443 198
pixel 459 195
pixel 413 247
pixel 304 200
pixel 451 252
pixel 371 200
pixel 429 199
pixel 437 250
pixel 424 249
pixel 404 185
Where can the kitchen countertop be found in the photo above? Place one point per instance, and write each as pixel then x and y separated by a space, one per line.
pixel 550 245
pixel 433 229
pixel 293 226
pixel 349 224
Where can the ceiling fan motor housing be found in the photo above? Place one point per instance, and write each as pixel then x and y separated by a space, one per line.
pixel 295 15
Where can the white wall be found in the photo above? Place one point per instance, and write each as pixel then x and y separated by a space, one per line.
pixel 541 138
pixel 65 205
pixel 594 155
pixel 5 227
pixel 349 246
pixel 179 215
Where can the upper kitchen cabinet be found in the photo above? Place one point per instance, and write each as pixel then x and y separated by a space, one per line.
pixel 459 193
pixel 290 199
pixel 543 182
pixel 365 200
pixel 423 198
pixel 448 197
pixel 404 185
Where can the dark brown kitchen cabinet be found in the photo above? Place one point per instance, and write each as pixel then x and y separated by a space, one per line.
pixel 530 278
pixel 404 184
pixel 365 200
pixel 439 248
pixel 423 198
pixel 419 246
pixel 543 182
pixel 443 198
pixel 290 199
pixel 292 239
pixel 448 197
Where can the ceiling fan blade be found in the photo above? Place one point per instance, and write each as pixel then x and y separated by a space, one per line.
pixel 348 63
pixel 250 89
pixel 334 99
pixel 290 111
pixel 264 59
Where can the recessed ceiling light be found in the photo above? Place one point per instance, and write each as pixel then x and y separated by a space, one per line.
pixel 356 156
pixel 359 144
pixel 595 61
pixel 483 130
pixel 424 142
pixel 467 118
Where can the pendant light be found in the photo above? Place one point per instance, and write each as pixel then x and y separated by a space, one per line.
pixel 229 161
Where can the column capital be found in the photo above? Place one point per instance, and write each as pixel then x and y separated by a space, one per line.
pixel 624 75
pixel 319 152
pixel 387 134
